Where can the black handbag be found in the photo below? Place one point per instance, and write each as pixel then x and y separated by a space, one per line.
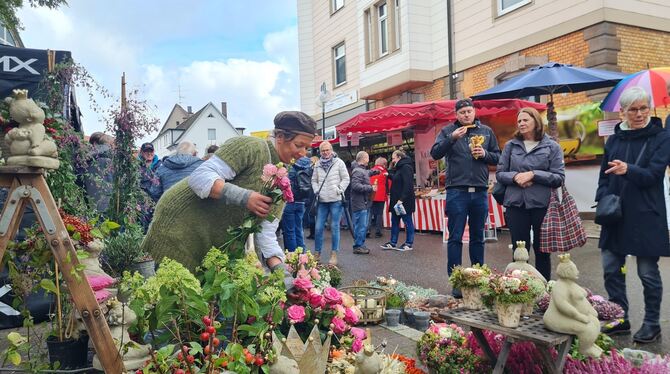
pixel 315 203
pixel 498 192
pixel 608 209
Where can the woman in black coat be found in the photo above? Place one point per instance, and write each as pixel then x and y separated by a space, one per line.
pixel 402 190
pixel 633 168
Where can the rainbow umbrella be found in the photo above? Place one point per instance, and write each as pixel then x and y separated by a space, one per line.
pixel 655 81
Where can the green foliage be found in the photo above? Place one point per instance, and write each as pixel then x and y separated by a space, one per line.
pixel 8 10
pixel 604 342
pixel 334 273
pixel 475 276
pixel 123 249
pixel 394 301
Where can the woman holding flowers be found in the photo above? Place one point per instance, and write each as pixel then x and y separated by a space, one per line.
pixel 194 215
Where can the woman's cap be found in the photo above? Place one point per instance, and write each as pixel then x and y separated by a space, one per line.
pixel 295 121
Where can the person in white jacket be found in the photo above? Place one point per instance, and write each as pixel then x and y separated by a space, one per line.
pixel 329 180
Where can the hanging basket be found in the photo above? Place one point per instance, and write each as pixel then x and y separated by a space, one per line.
pixel 370 300
pixel 509 314
pixel 472 298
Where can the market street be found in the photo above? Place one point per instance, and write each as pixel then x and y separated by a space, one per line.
pixel 426 266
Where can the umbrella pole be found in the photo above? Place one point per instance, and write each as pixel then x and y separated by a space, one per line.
pixel 551 118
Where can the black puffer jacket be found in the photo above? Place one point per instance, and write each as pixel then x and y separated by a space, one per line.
pixel 402 186
pixel 643 231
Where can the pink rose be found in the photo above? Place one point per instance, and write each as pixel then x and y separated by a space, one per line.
pixel 358 333
pixel 357 345
pixel 303 284
pixel 287 195
pixel 296 313
pixel 339 326
pixel 283 183
pixel 332 295
pixel 303 259
pixel 269 172
pixel 282 172
pixel 302 273
pixel 316 300
pixel 351 316
pixel 339 310
pixel 315 274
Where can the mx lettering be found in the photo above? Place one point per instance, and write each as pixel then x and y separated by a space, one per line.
pixel 6 62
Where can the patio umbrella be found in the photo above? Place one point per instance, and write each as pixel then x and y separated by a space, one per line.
pixel 655 81
pixel 549 79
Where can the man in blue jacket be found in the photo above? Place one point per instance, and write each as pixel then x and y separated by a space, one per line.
pixel 468 148
pixel 177 167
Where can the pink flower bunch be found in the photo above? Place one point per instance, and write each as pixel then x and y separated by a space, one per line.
pixel 277 177
pixel 359 335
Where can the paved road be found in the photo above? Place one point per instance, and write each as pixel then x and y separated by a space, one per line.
pixel 426 266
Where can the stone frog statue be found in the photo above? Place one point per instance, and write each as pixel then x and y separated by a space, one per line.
pixel 569 310
pixel 28 143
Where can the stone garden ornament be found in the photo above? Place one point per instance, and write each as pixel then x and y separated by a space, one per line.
pixel 28 143
pixel 521 262
pixel 569 310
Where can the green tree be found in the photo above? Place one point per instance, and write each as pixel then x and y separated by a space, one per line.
pixel 8 10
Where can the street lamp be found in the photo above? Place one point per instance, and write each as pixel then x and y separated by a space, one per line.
pixel 324 95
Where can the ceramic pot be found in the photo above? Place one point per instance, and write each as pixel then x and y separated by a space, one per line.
pixel 409 316
pixel 421 320
pixel 527 309
pixel 147 268
pixel 509 314
pixel 392 317
pixel 472 298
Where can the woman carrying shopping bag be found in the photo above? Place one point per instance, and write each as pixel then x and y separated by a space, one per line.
pixel 531 165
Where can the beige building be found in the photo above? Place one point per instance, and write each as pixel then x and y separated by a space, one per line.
pixel 375 53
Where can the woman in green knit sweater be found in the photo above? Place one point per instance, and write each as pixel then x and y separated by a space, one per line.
pixel 194 215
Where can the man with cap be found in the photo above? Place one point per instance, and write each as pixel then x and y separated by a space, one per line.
pixel 194 215
pixel 468 147
pixel 149 163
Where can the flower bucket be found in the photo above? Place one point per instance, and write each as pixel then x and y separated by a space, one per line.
pixel 421 320
pixel 392 317
pixel 472 298
pixel 409 316
pixel 70 353
pixel 527 308
pixel 509 314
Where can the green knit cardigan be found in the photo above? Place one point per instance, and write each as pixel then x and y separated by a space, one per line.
pixel 185 227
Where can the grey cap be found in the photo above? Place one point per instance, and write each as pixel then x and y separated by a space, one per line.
pixel 295 121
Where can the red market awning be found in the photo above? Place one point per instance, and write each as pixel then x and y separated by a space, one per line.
pixel 399 117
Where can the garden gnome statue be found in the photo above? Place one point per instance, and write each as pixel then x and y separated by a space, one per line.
pixel 521 261
pixel 119 318
pixel 28 143
pixel 570 312
pixel 368 361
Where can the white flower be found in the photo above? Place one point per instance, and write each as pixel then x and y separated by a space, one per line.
pixel 444 332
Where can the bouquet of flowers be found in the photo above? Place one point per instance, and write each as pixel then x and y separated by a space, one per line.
pixel 475 276
pixel 444 349
pixel 513 288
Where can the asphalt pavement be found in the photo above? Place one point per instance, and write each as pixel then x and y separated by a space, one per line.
pixel 426 266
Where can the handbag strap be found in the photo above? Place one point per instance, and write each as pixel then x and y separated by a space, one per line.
pixel 326 177
pixel 637 160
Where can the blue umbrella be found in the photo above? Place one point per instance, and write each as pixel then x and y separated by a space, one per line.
pixel 549 79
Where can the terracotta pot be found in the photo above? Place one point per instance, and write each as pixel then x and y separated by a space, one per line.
pixel 508 314
pixel 472 298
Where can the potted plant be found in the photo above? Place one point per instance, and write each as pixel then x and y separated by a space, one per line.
pixel 443 348
pixel 470 281
pixel 123 251
pixel 509 293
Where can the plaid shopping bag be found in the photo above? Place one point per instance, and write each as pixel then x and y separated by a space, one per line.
pixel 562 229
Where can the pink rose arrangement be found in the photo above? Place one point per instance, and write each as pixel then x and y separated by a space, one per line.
pixel 276 177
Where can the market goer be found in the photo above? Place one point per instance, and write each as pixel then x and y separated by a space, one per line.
pixel 468 147
pixel 633 168
pixel 194 215
pixel 401 176
pixel 360 200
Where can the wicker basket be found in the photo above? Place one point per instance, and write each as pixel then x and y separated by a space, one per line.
pixel 371 301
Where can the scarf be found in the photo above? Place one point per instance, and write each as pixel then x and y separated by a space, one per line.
pixel 326 163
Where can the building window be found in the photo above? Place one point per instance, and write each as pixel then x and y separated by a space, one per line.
pixel 6 37
pixel 382 17
pixel 396 24
pixel 506 6
pixel 339 62
pixel 211 134
pixel 336 5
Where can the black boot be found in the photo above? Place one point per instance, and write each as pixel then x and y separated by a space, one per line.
pixel 647 334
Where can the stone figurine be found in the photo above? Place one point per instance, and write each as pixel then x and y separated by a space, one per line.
pixel 569 310
pixel 119 318
pixel 368 361
pixel 521 262
pixel 28 144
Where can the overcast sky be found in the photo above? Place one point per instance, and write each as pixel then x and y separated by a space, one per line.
pixel 241 52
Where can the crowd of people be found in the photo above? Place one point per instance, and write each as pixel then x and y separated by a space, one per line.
pixel 330 194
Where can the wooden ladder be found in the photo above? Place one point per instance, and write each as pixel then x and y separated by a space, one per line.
pixel 25 185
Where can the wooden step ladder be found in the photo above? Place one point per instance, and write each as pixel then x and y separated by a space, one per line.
pixel 27 185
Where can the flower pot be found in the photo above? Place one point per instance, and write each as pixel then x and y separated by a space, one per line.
pixel 409 316
pixel 421 320
pixel 146 268
pixel 509 314
pixel 392 317
pixel 70 353
pixel 527 308
pixel 472 298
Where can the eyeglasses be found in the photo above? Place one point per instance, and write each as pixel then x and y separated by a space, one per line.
pixel 643 109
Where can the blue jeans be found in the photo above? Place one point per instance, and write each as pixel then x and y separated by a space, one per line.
pixel 291 226
pixel 463 206
pixel 360 219
pixel 335 210
pixel 647 271
pixel 395 228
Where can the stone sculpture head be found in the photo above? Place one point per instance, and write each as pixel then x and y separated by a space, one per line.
pixel 521 253
pixel 566 269
pixel 24 110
